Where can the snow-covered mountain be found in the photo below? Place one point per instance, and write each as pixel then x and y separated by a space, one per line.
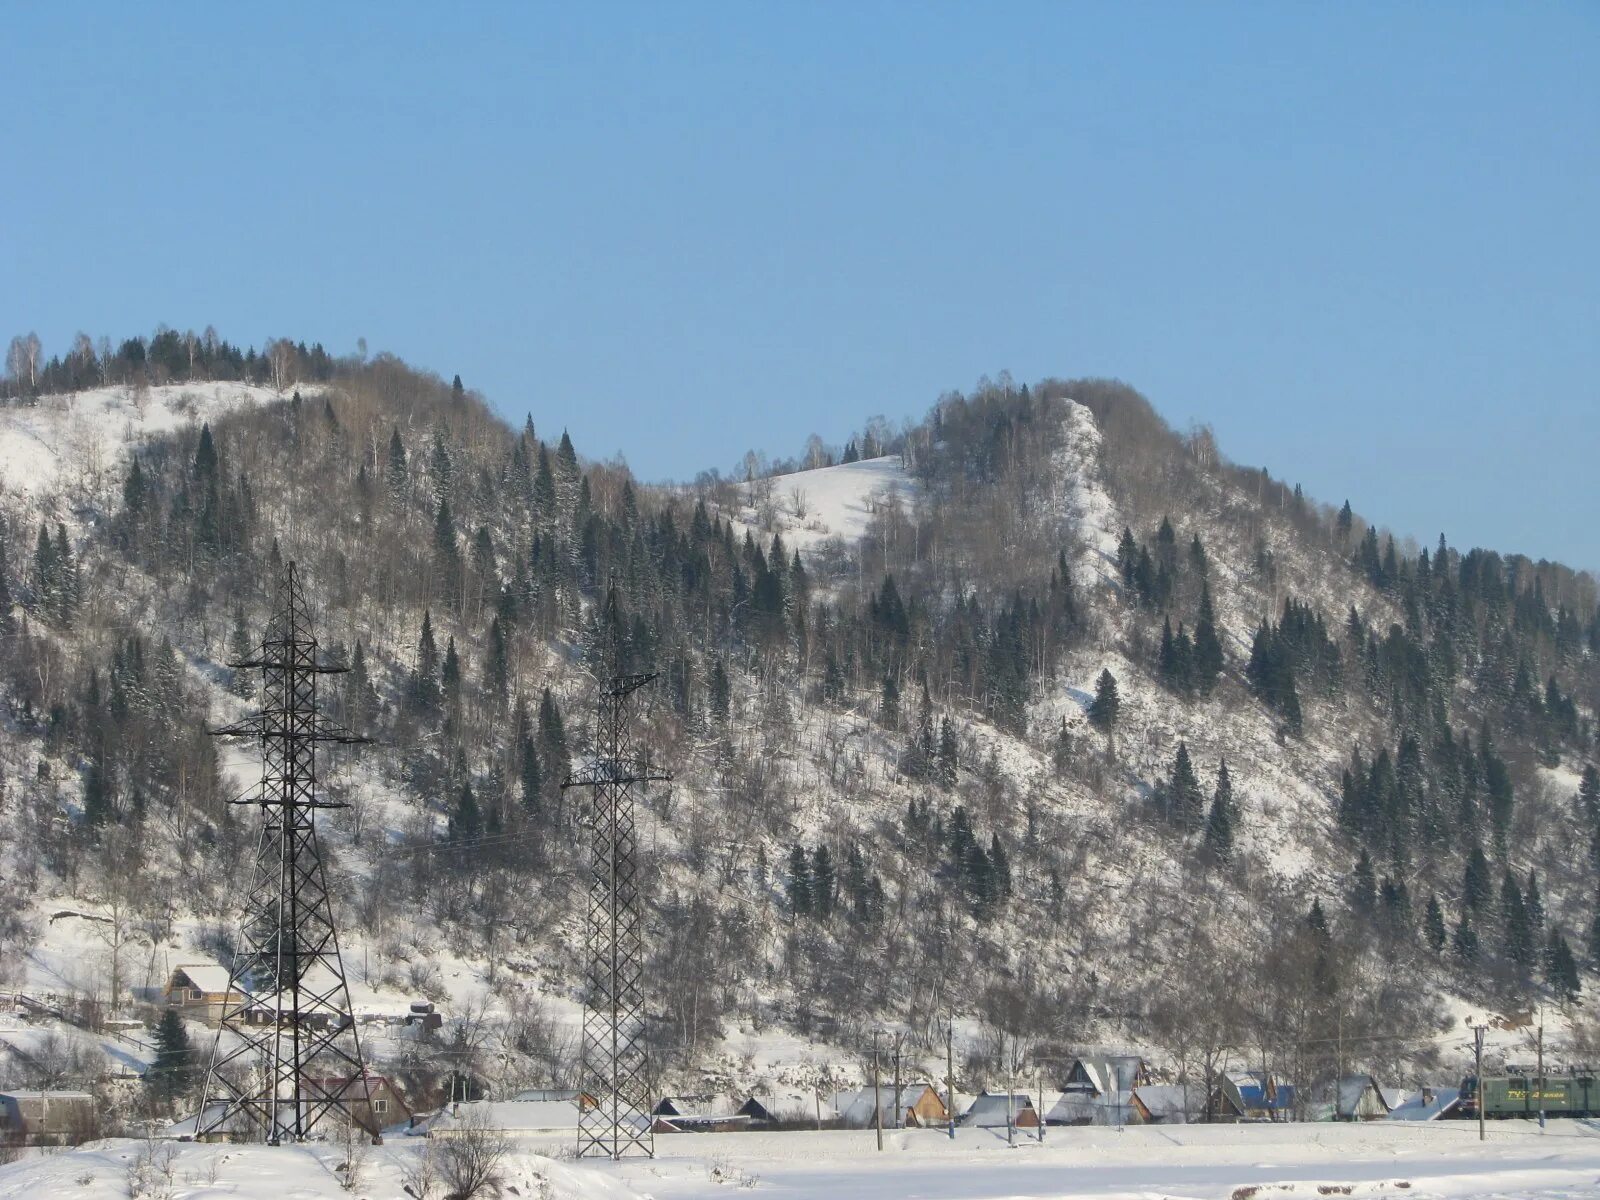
pixel 891 804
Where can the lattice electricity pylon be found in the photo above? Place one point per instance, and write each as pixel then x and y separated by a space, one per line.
pixel 286 1054
pixel 614 1056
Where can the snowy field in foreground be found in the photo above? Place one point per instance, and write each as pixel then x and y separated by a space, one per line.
pixel 1443 1160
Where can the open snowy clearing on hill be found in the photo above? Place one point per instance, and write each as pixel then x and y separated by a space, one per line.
pixel 72 443
pixel 812 507
pixel 1442 1160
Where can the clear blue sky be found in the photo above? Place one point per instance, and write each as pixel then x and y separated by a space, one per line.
pixel 1359 240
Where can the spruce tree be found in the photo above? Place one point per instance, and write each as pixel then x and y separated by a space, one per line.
pixel 425 677
pixel 450 677
pixel 241 649
pixel 1107 703
pixel 497 667
pixel 949 754
pixel 1561 968
pixel 1534 903
pixel 531 779
pixel 1588 786
pixel 175 1069
pixel 1208 657
pixel 799 882
pixel 1433 924
pixel 1219 822
pixel 999 868
pixel 1476 887
pixel 719 693
pixel 1316 919
pixel 1186 802
pixel 466 823
pixel 1516 931
pixel 824 884
pixel 1464 941
pixel 889 707
pixel 1363 892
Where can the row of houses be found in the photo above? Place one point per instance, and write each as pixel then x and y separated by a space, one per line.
pixel 204 992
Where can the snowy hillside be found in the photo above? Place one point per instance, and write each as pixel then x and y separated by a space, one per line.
pixel 829 503
pixel 889 809
pixel 74 446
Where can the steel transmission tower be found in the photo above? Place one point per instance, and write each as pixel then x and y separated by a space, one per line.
pixel 614 1055
pixel 286 1054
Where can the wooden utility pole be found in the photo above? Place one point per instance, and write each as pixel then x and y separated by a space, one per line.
pixel 1011 1089
pixel 950 1076
pixel 877 1095
pixel 1477 1045
pixel 899 1117
pixel 1541 1071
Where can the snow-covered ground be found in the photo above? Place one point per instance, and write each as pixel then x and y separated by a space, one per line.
pixel 1221 1162
pixel 812 507
pixel 74 444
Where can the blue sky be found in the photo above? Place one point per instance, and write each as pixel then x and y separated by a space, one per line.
pixel 1358 240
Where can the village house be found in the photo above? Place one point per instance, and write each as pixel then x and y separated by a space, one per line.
pixel 996 1110
pixel 1424 1104
pixel 917 1105
pixel 1359 1098
pixel 1251 1096
pixel 1099 1090
pixel 785 1110
pixel 376 1106
pixel 547 1095
pixel 699 1114
pixel 514 1118
pixel 200 991
pixel 46 1118
pixel 1167 1104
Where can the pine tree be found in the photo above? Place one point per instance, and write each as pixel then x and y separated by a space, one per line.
pixel 1433 924
pixel 395 472
pixel 450 677
pixel 1219 823
pixel 1534 903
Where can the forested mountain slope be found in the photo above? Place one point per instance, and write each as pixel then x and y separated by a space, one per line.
pixel 965 760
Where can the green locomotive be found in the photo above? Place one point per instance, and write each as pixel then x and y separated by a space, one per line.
pixel 1506 1096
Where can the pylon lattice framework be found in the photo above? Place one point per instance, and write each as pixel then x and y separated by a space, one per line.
pixel 614 1055
pixel 287 1054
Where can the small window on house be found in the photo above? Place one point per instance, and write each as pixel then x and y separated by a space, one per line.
pixel 381 1106
pixel 196 994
